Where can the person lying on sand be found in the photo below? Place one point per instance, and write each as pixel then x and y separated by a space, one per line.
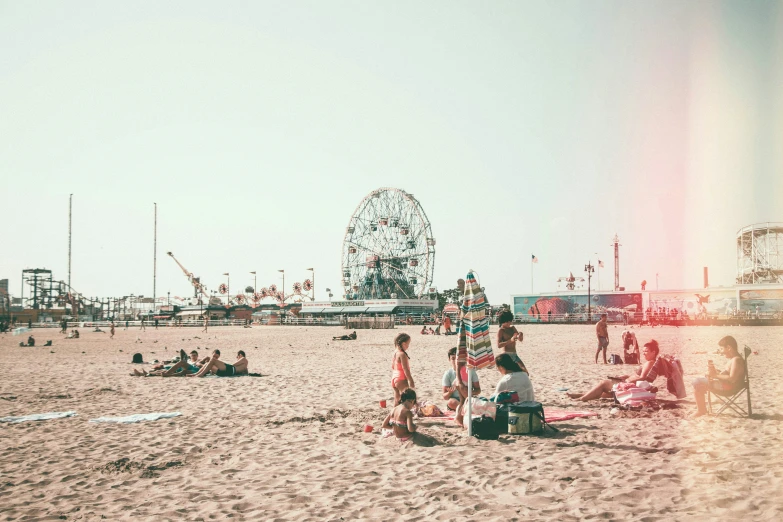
pixel 453 392
pixel 728 382
pixel 221 369
pixel 184 366
pixel 98 329
pixel 349 337
pixel 400 420
pixel 649 371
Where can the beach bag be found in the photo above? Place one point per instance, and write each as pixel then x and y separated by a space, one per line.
pixel 675 382
pixel 526 418
pixel 501 417
pixel 481 407
pixel 484 428
pixel 615 359
pixel 137 358
pixel 507 397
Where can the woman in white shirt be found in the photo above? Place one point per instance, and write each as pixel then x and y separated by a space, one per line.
pixel 513 378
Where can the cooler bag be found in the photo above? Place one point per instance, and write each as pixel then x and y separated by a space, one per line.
pixel 526 418
pixel 501 417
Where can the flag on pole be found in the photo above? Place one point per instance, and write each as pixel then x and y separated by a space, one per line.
pixel 225 274
pixel 534 259
pixel 600 264
pixel 281 270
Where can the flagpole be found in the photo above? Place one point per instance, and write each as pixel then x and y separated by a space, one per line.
pixel 531 274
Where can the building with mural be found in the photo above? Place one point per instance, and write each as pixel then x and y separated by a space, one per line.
pixel 765 301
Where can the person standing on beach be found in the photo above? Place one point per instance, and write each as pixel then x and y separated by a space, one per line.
pixel 508 335
pixel 603 337
pixel 126 324
pixel 143 326
pixel 401 370
pixel 111 330
pixel 206 324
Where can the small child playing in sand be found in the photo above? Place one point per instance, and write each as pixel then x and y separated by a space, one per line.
pixel 400 420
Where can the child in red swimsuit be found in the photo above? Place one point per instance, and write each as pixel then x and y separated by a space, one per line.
pixel 401 371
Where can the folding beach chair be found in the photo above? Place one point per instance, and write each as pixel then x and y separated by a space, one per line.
pixel 730 401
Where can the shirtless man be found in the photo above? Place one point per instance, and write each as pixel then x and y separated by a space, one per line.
pixel 111 330
pixel 206 324
pixel 222 369
pixel 508 336
pixel 181 368
pixel 603 337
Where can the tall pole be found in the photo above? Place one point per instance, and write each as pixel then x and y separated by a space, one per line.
pixel 155 259
pixel 283 271
pixel 589 268
pixel 617 245
pixel 312 282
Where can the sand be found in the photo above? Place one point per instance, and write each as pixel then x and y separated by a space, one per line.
pixel 289 445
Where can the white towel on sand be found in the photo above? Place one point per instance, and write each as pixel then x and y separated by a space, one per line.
pixel 139 417
pixel 39 416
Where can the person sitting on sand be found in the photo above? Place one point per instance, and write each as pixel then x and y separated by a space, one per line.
pixel 727 382
pixel 453 392
pixel 514 379
pixel 424 331
pixel 31 341
pixel 222 369
pixel 98 329
pixel 400 419
pixel 401 371
pixel 649 371
pixel 508 336
pixel 349 337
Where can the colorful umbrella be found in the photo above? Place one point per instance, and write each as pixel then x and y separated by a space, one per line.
pixel 475 347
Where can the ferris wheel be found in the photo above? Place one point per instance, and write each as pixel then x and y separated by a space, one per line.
pixel 388 250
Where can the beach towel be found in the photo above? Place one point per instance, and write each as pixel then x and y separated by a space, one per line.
pixel 553 415
pixel 139 417
pixel 39 416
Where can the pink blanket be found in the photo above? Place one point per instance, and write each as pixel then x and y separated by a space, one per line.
pixel 552 415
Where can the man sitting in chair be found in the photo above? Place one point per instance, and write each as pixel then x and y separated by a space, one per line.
pixel 728 382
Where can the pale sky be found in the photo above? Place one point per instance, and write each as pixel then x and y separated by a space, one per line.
pixel 257 127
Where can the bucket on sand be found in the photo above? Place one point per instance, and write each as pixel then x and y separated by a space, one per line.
pixel 383 403
pixel 367 428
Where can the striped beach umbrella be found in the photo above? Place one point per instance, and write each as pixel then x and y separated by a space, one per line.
pixel 475 346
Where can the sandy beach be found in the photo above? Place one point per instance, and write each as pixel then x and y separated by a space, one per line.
pixel 289 445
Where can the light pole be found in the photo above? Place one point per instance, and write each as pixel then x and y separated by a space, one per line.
pixel 312 281
pixel 283 271
pixel 329 292
pixel 589 268
pixel 168 298
pixel 255 283
pixel 656 280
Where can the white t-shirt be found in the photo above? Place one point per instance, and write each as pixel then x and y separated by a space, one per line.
pixel 518 382
pixel 451 375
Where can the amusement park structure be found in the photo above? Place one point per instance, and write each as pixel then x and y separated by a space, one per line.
pixel 388 248
pixel 760 254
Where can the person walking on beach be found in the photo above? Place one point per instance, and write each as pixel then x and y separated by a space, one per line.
pixel 206 324
pixel 603 337
pixel 126 324
pixel 111 330
pixel 401 370
pixel 143 326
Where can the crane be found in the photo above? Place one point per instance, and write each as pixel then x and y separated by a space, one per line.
pixel 195 281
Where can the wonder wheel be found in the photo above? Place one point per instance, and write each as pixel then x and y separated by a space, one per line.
pixel 389 249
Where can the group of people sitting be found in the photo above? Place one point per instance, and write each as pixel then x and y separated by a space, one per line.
pixel 194 367
pixel 515 376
